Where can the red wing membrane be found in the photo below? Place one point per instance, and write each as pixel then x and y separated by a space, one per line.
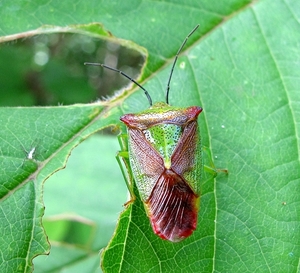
pixel 173 207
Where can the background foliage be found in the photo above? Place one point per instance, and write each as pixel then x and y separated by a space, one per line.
pixel 241 66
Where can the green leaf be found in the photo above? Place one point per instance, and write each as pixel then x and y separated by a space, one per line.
pixel 81 195
pixel 241 67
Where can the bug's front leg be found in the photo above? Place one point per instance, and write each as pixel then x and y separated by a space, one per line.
pixel 212 168
pixel 124 163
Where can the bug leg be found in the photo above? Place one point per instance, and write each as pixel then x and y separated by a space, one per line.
pixel 123 161
pixel 212 168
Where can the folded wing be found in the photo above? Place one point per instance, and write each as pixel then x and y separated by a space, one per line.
pixel 172 207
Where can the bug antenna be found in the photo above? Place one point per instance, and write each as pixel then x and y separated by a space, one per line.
pixel 176 57
pixel 125 75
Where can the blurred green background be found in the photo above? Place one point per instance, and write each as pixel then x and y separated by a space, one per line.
pixel 49 69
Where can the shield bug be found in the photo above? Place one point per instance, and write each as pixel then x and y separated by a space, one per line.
pixel 165 160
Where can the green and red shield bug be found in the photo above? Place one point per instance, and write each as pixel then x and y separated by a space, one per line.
pixel 166 162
